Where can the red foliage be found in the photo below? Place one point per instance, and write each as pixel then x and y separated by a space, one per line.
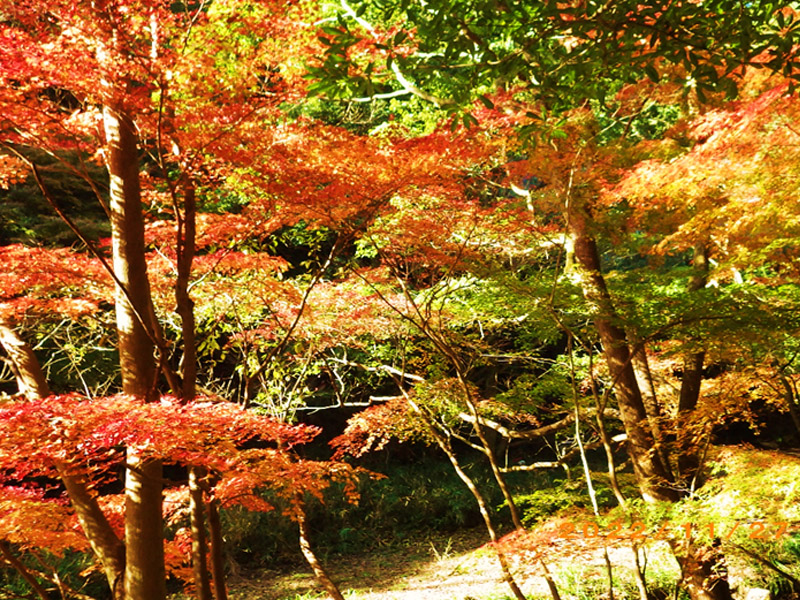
pixel 30 521
pixel 735 187
pixel 50 281
pixel 373 428
pixel 90 435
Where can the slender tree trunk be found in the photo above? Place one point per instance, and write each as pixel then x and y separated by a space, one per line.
pixel 185 245
pixel 611 465
pixel 31 381
pixel 487 519
pixel 104 541
pixel 652 475
pixel 202 582
pixel 688 459
pixel 589 485
pixel 790 398
pixel 638 573
pixel 145 577
pixel 216 545
pixel 185 305
pixel 483 507
pixel 704 573
pixel 308 552
pixel 489 451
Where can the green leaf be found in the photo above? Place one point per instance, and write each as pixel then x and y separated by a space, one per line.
pixel 651 73
pixel 485 101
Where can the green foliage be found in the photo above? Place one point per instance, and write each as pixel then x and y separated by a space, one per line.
pixel 460 49
pixel 422 496
pixel 562 496
pixel 26 217
pixel 580 580
pixel 221 201
pixel 650 123
pixel 76 355
pixel 74 569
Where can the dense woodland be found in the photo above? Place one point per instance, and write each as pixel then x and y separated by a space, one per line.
pixel 283 281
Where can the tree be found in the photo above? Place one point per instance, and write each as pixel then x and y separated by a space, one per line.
pixel 109 80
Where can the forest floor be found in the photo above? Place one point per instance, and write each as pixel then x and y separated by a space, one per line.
pixel 462 566
pixel 434 567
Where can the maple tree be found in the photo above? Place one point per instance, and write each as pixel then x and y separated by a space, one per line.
pixel 107 80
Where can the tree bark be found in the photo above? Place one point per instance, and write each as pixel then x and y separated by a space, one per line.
pixel 202 582
pixel 185 245
pixel 652 474
pixel 790 398
pixel 488 451
pixel 688 459
pixel 703 573
pixel 31 381
pixel 703 567
pixel 145 577
pixel 217 558
pixel 641 367
pixel 308 552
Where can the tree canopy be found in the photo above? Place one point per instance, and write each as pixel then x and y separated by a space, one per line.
pixel 487 227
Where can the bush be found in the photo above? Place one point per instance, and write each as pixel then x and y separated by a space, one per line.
pixel 74 570
pixel 570 494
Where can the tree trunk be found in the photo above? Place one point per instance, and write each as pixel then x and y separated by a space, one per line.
pixel 688 459
pixel 641 367
pixel 444 444
pixel 488 449
pixel 31 381
pixel 202 582
pixel 790 398
pixel 217 558
pixel 308 552
pixel 651 473
pixel 185 245
pixel 703 573
pixel 145 577
pixel 104 541
pixel 703 568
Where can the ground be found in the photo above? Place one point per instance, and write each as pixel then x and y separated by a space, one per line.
pixel 440 567
pixel 436 567
pixel 751 502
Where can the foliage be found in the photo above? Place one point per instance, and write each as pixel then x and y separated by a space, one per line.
pixel 346 246
pixel 559 55
pixel 88 436
pixel 421 496
pixel 561 497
